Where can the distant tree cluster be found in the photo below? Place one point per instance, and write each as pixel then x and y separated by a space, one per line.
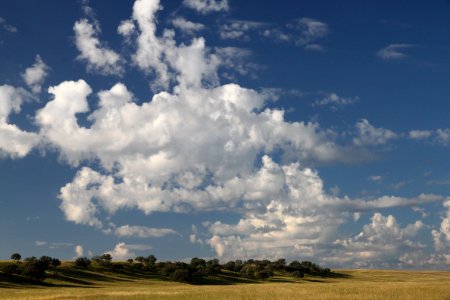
pixel 262 269
pixel 82 262
pixel 198 268
pixel 32 268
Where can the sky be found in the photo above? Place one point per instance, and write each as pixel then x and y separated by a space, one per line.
pixel 305 130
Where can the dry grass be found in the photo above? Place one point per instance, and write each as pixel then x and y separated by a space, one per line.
pixel 361 284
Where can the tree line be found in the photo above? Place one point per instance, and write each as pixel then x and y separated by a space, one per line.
pixel 196 270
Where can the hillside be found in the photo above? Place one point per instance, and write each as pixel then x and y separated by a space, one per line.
pixel 76 283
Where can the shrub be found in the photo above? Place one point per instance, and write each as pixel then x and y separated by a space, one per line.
pixel 35 268
pixel 11 269
pixel 138 266
pixel 298 274
pixel 180 275
pixel 230 266
pixel 262 274
pixel 82 262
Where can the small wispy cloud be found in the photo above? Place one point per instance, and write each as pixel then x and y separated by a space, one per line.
pixel 8 27
pixel 371 135
pixel 187 26
pixel 375 178
pixel 239 29
pixel 35 75
pixel 439 136
pixel 309 31
pixel 207 6
pixel 394 51
pixel 276 34
pixel 53 245
pixel 439 182
pixel 334 101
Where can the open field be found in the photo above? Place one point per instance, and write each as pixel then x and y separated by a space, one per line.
pixel 71 283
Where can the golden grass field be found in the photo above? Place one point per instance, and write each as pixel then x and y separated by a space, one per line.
pixel 353 284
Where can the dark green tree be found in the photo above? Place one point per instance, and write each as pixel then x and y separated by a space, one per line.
pixel 16 257
pixel 35 268
pixel 82 262
pixel 55 264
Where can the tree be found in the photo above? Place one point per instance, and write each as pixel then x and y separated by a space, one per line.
pixel 230 266
pixel 279 264
pixel 103 260
pixel 46 261
pixel 248 271
pixel 55 263
pixel 16 257
pixel 151 259
pixel 130 260
pixel 181 275
pixel 198 262
pixel 106 257
pixel 35 268
pixel 82 262
pixel 140 259
pixel 262 274
pixel 298 274
pixel 11 269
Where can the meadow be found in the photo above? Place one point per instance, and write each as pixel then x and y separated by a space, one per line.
pixel 73 283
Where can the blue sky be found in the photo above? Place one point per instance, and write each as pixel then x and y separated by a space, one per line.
pixel 233 129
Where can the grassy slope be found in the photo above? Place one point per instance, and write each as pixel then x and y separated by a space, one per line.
pixel 356 284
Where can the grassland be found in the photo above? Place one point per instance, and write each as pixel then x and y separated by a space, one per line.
pixel 72 283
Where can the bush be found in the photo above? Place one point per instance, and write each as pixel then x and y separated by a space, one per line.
pixel 262 274
pixel 35 268
pixel 82 262
pixel 11 269
pixel 103 260
pixel 138 266
pixel 298 274
pixel 180 275
pixel 117 267
pixel 230 266
pixel 248 271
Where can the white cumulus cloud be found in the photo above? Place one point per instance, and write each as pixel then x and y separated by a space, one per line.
pixel 99 58
pixel 14 142
pixel 79 251
pixel 124 251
